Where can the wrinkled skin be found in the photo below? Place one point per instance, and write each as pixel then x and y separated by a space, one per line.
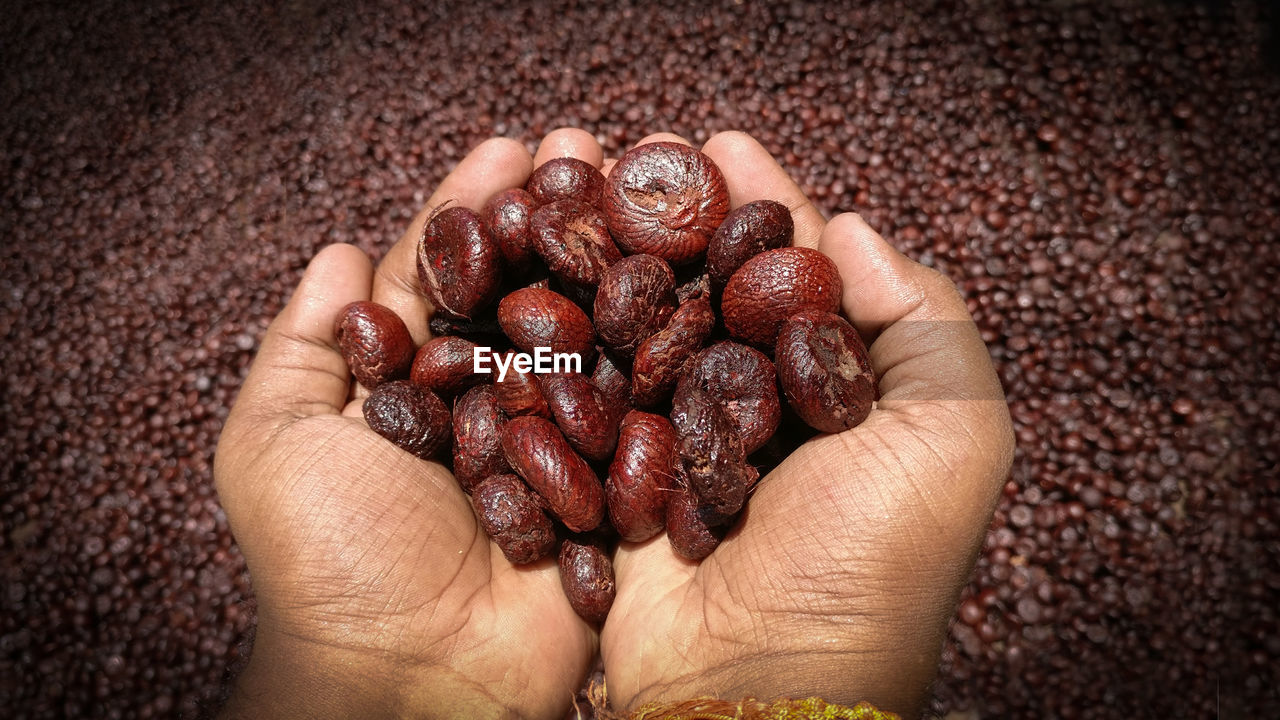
pixel 661 357
pixel 416 420
pixel 773 286
pixel 539 453
pixel 459 266
pixel 375 343
pixel 744 382
pixel 586 573
pixel 825 371
pixel 642 476
pixel 512 517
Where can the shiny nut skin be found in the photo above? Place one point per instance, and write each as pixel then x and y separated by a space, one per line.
pixel 745 383
pixel 533 318
pixel 459 266
pixel 414 419
pixel 565 178
pixel 507 216
pixel 539 453
pixel 711 453
pixel 589 422
pixel 511 515
pixel 586 574
pixel 642 476
pixel 825 371
pixel 612 382
pixel 374 341
pixel 518 393
pixel 694 530
pixel 746 232
pixel 573 240
pixel 636 298
pixel 773 286
pixel 660 358
pixel 477 437
pixel 665 199
pixel 444 366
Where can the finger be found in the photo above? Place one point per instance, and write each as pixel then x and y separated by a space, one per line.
pixel 299 370
pixel 495 165
pixel 663 137
pixel 607 166
pixel 569 142
pixel 752 174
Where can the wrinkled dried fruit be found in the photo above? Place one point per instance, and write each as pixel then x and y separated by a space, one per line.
pixel 711 453
pixel 773 286
pixel 642 476
pixel 565 178
pixel 746 232
pixel 612 382
pixel 507 216
pixel 698 286
pixel 665 199
pixel 588 421
pixel 586 574
pixel 477 437
pixel 535 318
pixel 458 263
pixel 660 359
pixel 539 453
pixel 744 382
pixel 635 300
pixel 518 393
pixel 825 372
pixel 573 240
pixel 511 515
pixel 414 419
pixel 693 529
pixel 445 366
pixel 374 341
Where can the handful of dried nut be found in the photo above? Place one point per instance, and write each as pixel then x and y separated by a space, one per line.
pixel 622 275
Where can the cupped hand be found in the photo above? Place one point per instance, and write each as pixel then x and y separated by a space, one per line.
pixel 839 579
pixel 378 593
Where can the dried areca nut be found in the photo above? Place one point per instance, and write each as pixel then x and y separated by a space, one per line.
pixel 825 371
pixel 773 286
pixel 507 216
pixel 694 529
pixel 446 366
pixel 458 263
pixel 517 391
pixel 477 437
pixel 612 382
pixel 586 418
pixel 635 299
pixel 565 178
pixel 535 318
pixel 512 516
pixel 711 454
pixel 586 575
pixel 374 341
pixel 660 358
pixel 745 383
pixel 540 454
pixel 413 418
pixel 642 476
pixel 573 240
pixel 746 232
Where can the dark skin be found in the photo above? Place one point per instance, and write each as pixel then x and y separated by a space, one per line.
pixel 379 595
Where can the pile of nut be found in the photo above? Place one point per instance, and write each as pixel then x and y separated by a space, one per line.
pixel 627 273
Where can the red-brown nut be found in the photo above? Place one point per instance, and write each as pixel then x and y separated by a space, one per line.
pixel 535 318
pixel 746 232
pixel 642 476
pixel 565 178
pixel 586 574
pixel 511 515
pixel 698 286
pixel 374 341
pixel 518 393
pixel 665 199
pixel 711 455
pixel 660 359
pixel 477 437
pixel 459 265
pixel 539 453
pixel 745 383
pixel 612 382
pixel 588 421
pixel 573 240
pixel 635 300
pixel 773 286
pixel 414 419
pixel 693 529
pixel 825 372
pixel 507 216
pixel 445 366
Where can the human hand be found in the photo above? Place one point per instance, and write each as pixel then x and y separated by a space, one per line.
pixel 378 593
pixel 840 577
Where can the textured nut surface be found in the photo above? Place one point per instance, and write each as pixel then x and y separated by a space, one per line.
pixel 507 216
pixel 635 300
pixel 825 372
pixel 518 393
pixel 773 286
pixel 660 358
pixel 535 318
pixel 586 574
pixel 642 476
pixel 511 515
pixel 746 232
pixel 444 365
pixel 744 382
pixel 539 453
pixel 693 529
pixel 711 454
pixel 477 437
pixel 374 341
pixel 414 419
pixel 565 178
pixel 458 263
pixel 586 418
pixel 665 199
pixel 612 382
pixel 573 240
